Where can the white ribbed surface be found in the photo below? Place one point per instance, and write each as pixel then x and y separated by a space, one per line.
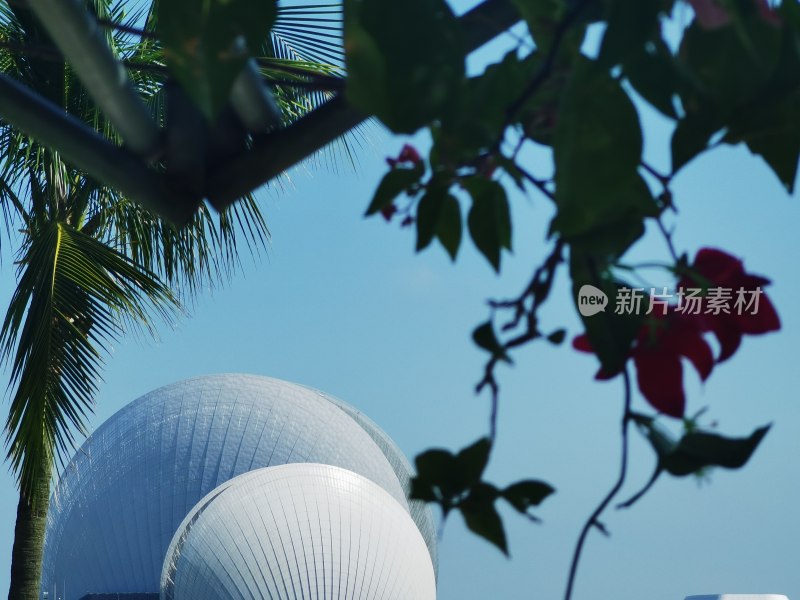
pixel 293 532
pixel 133 481
pixel 420 512
pixel 738 597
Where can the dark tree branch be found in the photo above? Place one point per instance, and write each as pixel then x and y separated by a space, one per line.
pixel 535 293
pixel 666 202
pixel 667 238
pixel 537 290
pixel 547 66
pixel 539 184
pixel 594 518
pixel 635 498
pixel 664 180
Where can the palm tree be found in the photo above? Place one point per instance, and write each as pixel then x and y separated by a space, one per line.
pixel 91 264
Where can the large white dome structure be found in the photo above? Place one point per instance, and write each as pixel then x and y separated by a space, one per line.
pixel 123 496
pixel 298 531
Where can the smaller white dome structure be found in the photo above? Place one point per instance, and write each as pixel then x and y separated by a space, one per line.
pixel 298 531
pixel 738 597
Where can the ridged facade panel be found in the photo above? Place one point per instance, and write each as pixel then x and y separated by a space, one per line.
pixel 122 497
pixel 300 531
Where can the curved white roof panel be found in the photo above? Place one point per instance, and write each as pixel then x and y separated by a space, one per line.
pixel 738 597
pixel 298 531
pixel 123 495
pixel 419 510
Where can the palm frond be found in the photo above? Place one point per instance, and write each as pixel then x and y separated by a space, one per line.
pixel 197 256
pixel 75 295
pixel 311 32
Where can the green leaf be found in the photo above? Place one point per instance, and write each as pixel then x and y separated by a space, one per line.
pixel 405 82
pixel 422 489
pixel 608 227
pixel 608 243
pixel 770 126
pixel 790 12
pixel 653 75
pixel 444 477
pixel 429 213
pixel 472 461
pixel 485 338
pixel 489 219
pixel 199 38
pixel 729 65
pixel 434 465
pixel 698 450
pixel 525 494
pixel 482 517
pixel 691 137
pixel 485 522
pixel 433 482
pixel 477 117
pixel 450 226
pixel 598 145
pixel 394 183
pixel 771 129
pixel 631 23
pixel 542 18
pixel 368 73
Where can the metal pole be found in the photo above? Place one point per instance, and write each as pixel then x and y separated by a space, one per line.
pixel 82 42
pixel 274 153
pixel 85 149
pixel 252 99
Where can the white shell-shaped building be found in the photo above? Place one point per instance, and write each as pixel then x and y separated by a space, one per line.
pixel 127 491
pixel 298 531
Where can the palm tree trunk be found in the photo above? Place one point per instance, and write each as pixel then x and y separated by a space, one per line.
pixel 26 557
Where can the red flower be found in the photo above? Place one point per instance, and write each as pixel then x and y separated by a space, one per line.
pixel 767 13
pixel 408 154
pixel 666 339
pixel 387 212
pixel 712 14
pixel 657 352
pixel 716 268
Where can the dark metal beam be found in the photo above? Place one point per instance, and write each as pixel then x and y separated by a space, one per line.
pixel 80 39
pixel 253 101
pixel 82 147
pixel 273 153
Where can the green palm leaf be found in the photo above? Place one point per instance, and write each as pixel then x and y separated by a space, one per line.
pixel 74 296
pixel 195 257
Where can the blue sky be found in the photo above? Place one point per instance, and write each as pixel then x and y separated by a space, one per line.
pixel 343 304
